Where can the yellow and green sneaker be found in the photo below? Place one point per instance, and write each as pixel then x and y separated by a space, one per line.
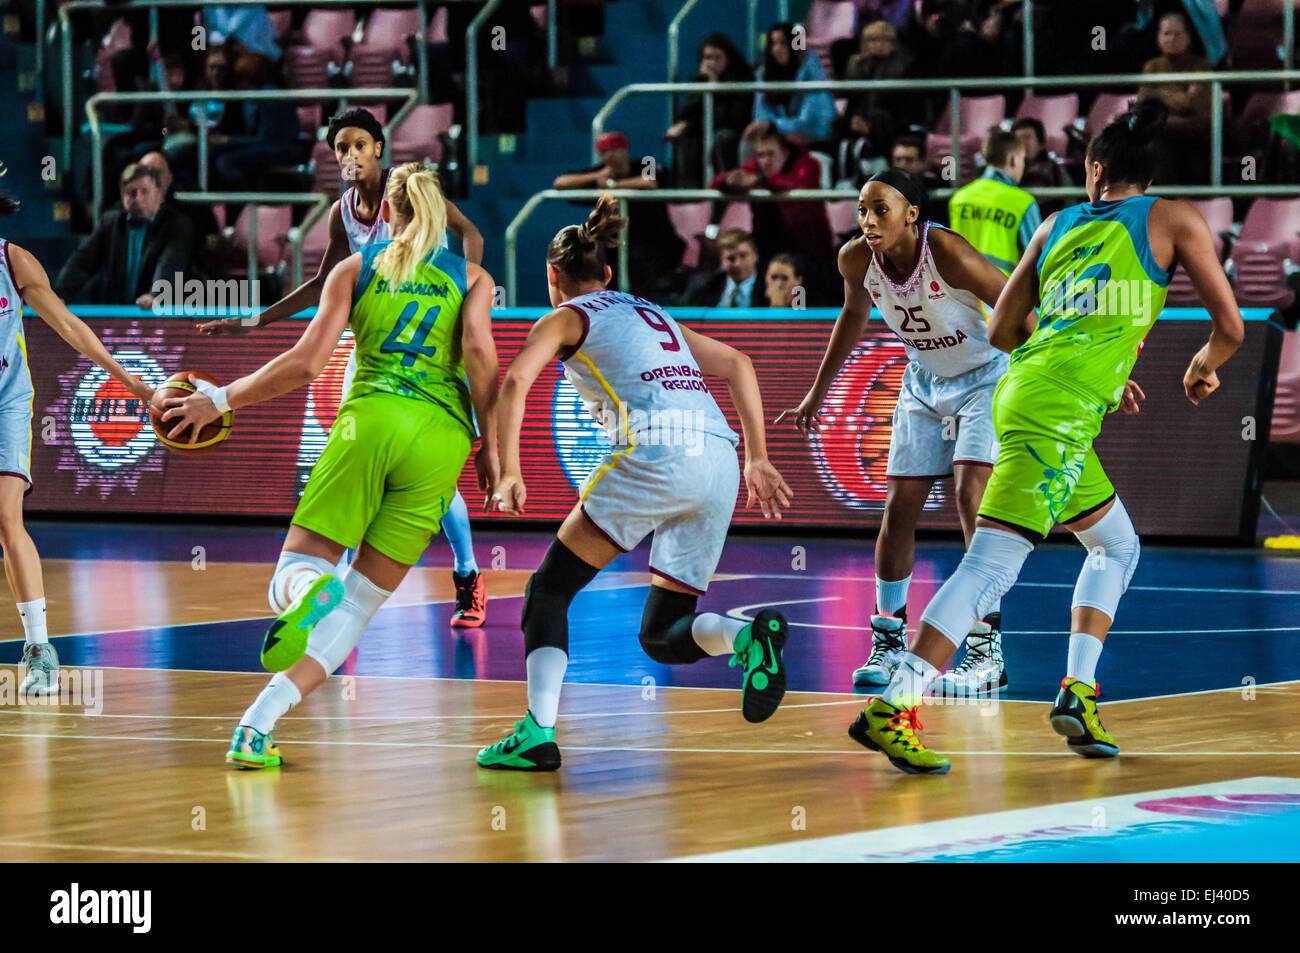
pixel 758 649
pixel 530 748
pixel 882 727
pixel 1075 716
pixel 252 749
pixel 286 640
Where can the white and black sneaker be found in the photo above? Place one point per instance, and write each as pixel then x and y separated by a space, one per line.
pixel 888 646
pixel 982 671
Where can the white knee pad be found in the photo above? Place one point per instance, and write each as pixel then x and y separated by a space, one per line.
pixel 335 636
pixel 987 571
pixel 294 572
pixel 1113 551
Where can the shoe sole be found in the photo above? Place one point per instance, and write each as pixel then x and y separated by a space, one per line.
pixel 545 765
pixel 755 701
pixel 292 645
pixel 465 624
pixel 1071 728
pixel 252 765
pixel 906 767
pixel 863 681
pixel 943 691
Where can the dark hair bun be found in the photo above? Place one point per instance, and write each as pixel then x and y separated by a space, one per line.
pixel 1145 119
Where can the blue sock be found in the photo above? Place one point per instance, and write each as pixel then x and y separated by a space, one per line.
pixel 455 526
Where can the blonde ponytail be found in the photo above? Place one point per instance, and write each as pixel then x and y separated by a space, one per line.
pixel 413 193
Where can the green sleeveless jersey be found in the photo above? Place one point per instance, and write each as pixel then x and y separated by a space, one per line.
pixel 408 340
pixel 1100 291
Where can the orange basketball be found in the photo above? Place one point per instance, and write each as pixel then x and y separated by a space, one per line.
pixel 178 385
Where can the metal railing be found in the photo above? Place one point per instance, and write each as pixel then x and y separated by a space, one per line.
pixel 65 29
pixel 800 195
pixel 321 203
pixel 954 88
pixel 297 95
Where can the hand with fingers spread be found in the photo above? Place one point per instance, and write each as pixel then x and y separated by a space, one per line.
pixel 193 412
pixel 508 495
pixel 1132 394
pixel 767 487
pixel 807 416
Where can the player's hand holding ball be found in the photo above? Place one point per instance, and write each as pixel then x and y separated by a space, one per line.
pixel 766 487
pixel 807 416
pixel 508 495
pixel 1199 382
pixel 202 412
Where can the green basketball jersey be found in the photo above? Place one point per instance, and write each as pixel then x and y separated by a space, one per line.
pixel 1100 291
pixel 408 340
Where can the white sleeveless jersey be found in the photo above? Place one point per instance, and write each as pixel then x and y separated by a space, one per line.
pixel 15 378
pixel 944 329
pixel 360 234
pixel 636 374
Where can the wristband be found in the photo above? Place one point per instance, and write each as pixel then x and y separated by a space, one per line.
pixel 215 394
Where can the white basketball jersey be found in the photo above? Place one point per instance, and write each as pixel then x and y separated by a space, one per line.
pixel 15 378
pixel 360 234
pixel 636 374
pixel 944 329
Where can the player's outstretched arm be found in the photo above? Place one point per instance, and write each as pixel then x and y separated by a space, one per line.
pixel 1194 249
pixel 853 261
pixel 1014 315
pixel 34 287
pixel 766 486
pixel 306 295
pixel 297 366
pixel 471 239
pixel 481 369
pixel 560 329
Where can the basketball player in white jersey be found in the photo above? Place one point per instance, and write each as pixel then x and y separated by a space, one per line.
pixel 672 473
pixel 23 281
pixel 928 284
pixel 357 139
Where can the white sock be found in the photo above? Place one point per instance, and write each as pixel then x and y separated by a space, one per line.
pixel 33 616
pixel 1081 663
pixel 545 676
pixel 912 677
pixel 891 596
pixel 715 634
pixel 279 696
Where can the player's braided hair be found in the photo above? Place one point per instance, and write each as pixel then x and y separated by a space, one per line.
pixel 413 193
pixel 579 250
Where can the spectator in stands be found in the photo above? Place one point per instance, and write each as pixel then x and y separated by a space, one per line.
pixel 862 148
pixel 1041 170
pixel 142 242
pixel 180 136
pixel 782 164
pixel 908 154
pixel 720 62
pixel 784 283
pixel 654 247
pixel 803 116
pixel 202 221
pixel 897 13
pixel 879 57
pixel 269 136
pixel 734 284
pixel 993 213
pixel 245 29
pixel 1184 143
pixel 945 43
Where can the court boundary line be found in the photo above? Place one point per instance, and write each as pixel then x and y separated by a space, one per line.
pixel 178 851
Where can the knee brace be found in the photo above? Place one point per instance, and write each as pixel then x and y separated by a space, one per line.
pixel 550 590
pixel 293 573
pixel 666 627
pixel 335 636
pixel 1113 551
pixel 987 571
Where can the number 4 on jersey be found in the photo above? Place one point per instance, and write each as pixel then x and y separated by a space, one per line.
pixel 412 349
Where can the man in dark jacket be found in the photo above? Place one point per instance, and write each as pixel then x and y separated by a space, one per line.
pixel 143 242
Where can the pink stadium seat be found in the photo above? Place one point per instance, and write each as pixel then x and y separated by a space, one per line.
pixel 378 110
pixel 1259 107
pixel 538 13
pixel 307 67
pixel 281 22
pixel 329 30
pixel 372 67
pixel 1106 107
pixel 843 216
pixel 1261 280
pixel 979 114
pixel 325 170
pixel 1286 406
pixel 417 137
pixel 438 26
pixel 118 38
pixel 1055 113
pixel 737 215
pixel 689 221
pixel 313 249
pixel 1270 225
pixel 828 21
pixel 310 118
pixel 1218 215
pixel 385 46
pixel 273 223
pixel 1256 34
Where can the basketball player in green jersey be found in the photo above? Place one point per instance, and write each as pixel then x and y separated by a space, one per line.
pixel 1073 315
pixel 420 315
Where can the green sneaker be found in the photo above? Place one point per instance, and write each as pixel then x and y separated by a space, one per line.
pixel 286 639
pixel 252 749
pixel 758 649
pixel 882 727
pixel 1075 716
pixel 530 748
